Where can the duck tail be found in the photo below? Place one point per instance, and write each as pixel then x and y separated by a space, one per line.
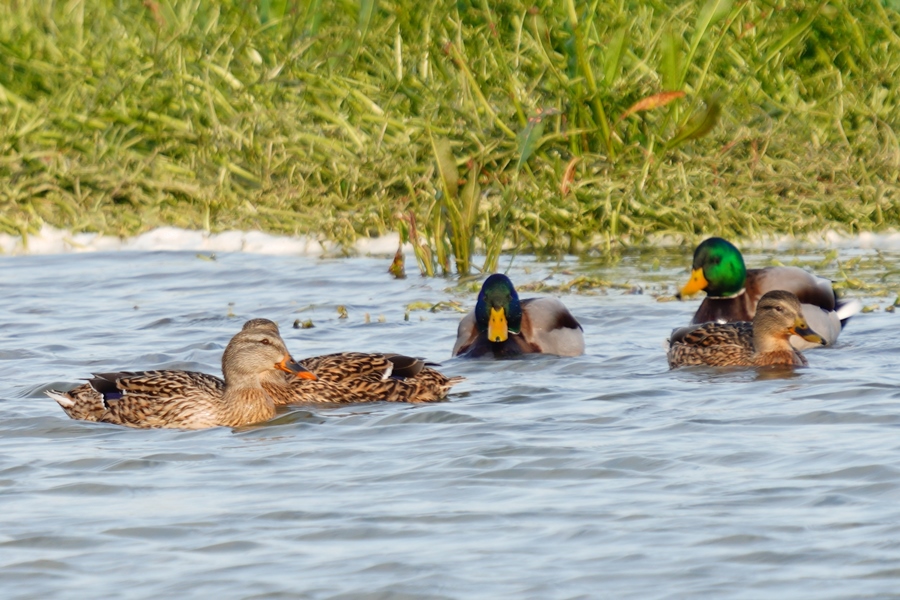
pixel 82 403
pixel 61 398
pixel 454 380
pixel 846 309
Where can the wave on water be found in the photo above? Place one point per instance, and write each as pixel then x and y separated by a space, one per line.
pixel 59 241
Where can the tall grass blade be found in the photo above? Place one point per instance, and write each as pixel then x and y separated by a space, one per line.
pixel 709 14
pixel 366 10
pixel 614 53
pixel 670 67
pixel 529 139
pixel 699 124
pixel 446 165
pixel 584 67
pixel 791 36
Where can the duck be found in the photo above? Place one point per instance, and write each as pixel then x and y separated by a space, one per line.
pixel 357 377
pixel 763 342
pixel 501 325
pixel 254 366
pixel 733 291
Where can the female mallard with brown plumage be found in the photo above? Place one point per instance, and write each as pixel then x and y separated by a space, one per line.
pixel 351 377
pixel 733 291
pixel 764 342
pixel 502 325
pixel 254 364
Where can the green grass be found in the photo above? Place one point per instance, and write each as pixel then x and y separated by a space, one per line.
pixel 488 125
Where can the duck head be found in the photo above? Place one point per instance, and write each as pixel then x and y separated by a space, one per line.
pixel 261 324
pixel 718 269
pixel 497 311
pixel 779 316
pixel 257 353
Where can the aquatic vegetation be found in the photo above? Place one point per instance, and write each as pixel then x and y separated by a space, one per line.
pixel 466 126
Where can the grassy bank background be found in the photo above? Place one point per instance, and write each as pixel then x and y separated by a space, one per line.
pixel 556 125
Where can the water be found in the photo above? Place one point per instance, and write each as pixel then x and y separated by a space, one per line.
pixel 599 476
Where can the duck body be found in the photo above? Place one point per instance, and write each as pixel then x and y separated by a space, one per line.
pixel 763 342
pixel 503 326
pixel 146 399
pixel 733 291
pixel 357 377
pixel 253 363
pixel 349 377
pixel 725 345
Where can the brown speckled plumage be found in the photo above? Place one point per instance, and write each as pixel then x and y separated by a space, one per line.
pixel 253 365
pixel 353 377
pixel 764 342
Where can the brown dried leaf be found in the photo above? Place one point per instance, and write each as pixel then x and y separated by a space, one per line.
pixel 651 102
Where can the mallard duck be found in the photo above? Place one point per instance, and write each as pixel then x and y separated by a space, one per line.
pixel 733 291
pixel 537 325
pixel 254 364
pixel 351 377
pixel 763 342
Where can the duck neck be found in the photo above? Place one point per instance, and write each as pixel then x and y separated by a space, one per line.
pixel 242 405
pixel 764 342
pixel 721 296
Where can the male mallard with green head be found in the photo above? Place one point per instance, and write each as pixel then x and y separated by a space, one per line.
pixel 764 342
pixel 503 325
pixel 733 291
pixel 254 365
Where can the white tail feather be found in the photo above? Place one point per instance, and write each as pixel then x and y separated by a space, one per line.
pixel 61 398
pixel 849 309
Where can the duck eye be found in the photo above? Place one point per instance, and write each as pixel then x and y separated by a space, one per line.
pixel 265 341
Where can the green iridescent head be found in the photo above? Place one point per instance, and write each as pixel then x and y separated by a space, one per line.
pixel 718 269
pixel 497 311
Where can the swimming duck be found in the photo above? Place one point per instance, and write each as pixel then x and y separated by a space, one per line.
pixel 763 342
pixel 254 364
pixel 733 291
pixel 352 377
pixel 503 325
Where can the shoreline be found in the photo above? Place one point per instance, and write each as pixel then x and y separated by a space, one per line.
pixel 59 241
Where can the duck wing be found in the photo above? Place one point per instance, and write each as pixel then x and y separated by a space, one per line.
pixel 341 366
pixel 713 344
pixel 549 326
pixel 468 336
pixel 143 399
pixel 809 288
pixel 355 377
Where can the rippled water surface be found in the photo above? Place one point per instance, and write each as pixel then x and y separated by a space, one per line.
pixel 599 476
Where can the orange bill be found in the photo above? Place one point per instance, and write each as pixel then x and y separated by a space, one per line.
pixel 289 365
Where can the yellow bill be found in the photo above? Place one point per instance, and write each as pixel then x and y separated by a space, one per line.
pixel 802 329
pixel 497 327
pixel 697 283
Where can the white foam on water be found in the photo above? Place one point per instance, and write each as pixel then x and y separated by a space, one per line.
pixel 58 241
